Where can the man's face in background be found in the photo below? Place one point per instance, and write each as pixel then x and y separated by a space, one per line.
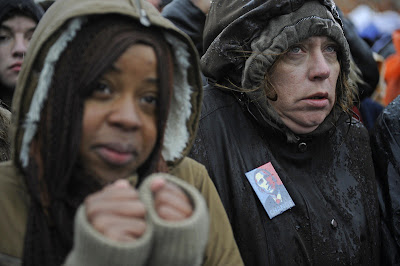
pixel 15 34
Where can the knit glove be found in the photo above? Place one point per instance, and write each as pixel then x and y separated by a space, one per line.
pixel 175 243
pixel 164 242
pixel 91 248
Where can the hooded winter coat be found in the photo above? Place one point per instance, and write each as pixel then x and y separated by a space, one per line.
pixel 58 24
pixel 328 173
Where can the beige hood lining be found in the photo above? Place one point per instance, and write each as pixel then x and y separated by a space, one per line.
pixel 32 118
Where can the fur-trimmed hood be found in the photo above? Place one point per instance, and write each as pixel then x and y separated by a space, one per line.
pixel 32 86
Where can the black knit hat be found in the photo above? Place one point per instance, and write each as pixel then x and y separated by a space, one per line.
pixel 26 7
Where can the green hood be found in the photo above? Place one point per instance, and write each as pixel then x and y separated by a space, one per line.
pixel 36 74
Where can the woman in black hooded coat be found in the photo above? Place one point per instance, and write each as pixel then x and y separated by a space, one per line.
pixel 327 170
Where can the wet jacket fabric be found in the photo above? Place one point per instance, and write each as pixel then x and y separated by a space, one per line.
pixel 181 127
pixel 385 144
pixel 328 173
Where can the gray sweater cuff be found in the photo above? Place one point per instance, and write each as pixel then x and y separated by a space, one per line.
pixel 92 248
pixel 177 243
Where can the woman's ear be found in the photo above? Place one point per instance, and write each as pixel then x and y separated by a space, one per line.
pixel 270 91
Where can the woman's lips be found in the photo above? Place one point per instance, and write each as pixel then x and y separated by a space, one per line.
pixel 16 67
pixel 115 156
pixel 318 103
pixel 319 100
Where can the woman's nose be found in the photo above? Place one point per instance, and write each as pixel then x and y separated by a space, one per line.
pixel 319 68
pixel 125 114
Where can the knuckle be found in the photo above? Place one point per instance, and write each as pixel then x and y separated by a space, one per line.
pixel 89 199
pixel 90 211
pixel 142 226
pixel 99 226
pixel 162 197
pixel 141 209
pixel 165 212
pixel 103 222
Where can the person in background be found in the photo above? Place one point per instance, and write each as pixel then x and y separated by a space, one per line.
pixel 367 77
pixel 18 20
pixel 190 17
pixel 392 70
pixel 105 111
pixel 362 55
pixel 385 145
pixel 279 98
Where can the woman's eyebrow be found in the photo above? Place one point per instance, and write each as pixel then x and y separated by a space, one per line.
pixel 114 68
pixel 152 79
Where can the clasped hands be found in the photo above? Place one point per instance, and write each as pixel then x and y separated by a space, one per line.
pixel 118 213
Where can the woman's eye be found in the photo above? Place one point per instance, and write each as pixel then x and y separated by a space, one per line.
pixel 102 87
pixel 294 50
pixel 150 99
pixel 331 49
pixel 101 90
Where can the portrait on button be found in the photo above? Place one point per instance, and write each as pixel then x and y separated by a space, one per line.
pixel 270 190
pixel 270 184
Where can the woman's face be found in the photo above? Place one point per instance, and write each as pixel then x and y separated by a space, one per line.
pixel 119 129
pixel 305 79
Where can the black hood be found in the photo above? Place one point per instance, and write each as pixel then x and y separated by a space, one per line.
pixel 232 25
pixel 245 38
